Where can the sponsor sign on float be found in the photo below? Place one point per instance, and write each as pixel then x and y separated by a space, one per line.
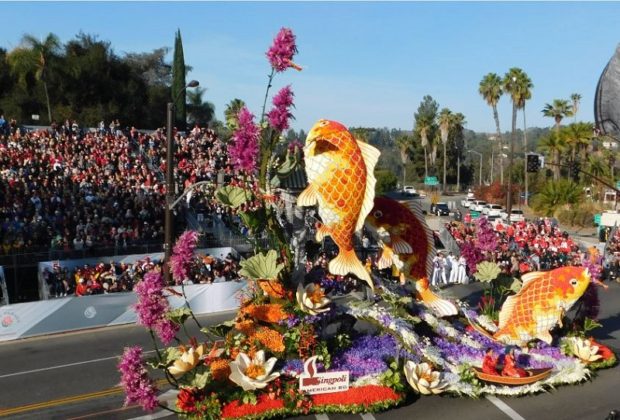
pixel 313 382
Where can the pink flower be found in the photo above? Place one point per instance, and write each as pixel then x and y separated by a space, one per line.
pixel 281 52
pixel 183 253
pixel 244 148
pixel 139 388
pixel 152 306
pixel 280 114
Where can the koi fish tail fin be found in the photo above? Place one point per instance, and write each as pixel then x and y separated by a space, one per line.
pixel 347 262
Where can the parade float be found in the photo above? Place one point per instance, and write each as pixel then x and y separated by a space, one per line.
pixel 345 339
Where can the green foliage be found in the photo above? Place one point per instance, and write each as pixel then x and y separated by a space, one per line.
pixel 487 271
pixel 322 350
pixel 168 356
pixel 386 181
pixel 178 83
pixel 556 194
pixel 467 375
pixel 219 330
pixel 261 266
pixel 179 315
pixel 394 378
pixel 232 196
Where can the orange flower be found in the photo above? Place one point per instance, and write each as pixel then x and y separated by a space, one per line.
pixel 271 313
pixel 271 339
pixel 272 288
pixel 220 369
pixel 247 327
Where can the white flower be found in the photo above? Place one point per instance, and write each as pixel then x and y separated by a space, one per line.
pixel 584 350
pixel 251 374
pixel 312 299
pixel 188 361
pixel 423 379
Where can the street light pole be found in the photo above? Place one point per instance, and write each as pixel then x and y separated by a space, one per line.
pixel 170 190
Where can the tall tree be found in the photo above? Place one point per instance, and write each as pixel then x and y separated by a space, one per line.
pixel 554 145
pixel 557 110
pixel 231 111
pixel 457 126
pixel 425 127
pixel 33 56
pixel 512 84
pixel 199 111
pixel 443 121
pixel 404 147
pixel 178 83
pixel 491 90
pixel 525 94
pixel 576 98
pixel 578 136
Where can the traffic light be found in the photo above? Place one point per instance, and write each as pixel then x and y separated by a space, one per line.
pixel 574 168
pixel 533 163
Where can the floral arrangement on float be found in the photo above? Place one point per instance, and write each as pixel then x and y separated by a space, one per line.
pixel 300 345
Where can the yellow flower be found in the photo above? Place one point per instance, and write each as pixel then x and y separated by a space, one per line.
pixel 424 379
pixel 312 299
pixel 251 374
pixel 584 350
pixel 189 360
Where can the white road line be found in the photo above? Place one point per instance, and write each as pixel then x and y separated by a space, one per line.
pixel 85 362
pixel 367 416
pixel 505 408
pixel 321 417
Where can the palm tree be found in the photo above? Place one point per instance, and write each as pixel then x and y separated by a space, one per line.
pixel 199 111
pixel 513 83
pixel 578 137
pixel 33 56
pixel 423 128
pixel 557 110
pixel 231 111
pixel 457 125
pixel 557 194
pixel 404 146
pixel 525 94
pixel 576 98
pixel 491 90
pixel 443 121
pixel 553 145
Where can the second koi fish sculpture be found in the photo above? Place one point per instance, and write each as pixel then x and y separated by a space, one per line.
pixel 341 181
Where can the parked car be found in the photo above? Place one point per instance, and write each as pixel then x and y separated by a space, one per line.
pixel 409 190
pixel 468 202
pixel 441 209
pixel 515 216
pixel 478 205
pixel 494 210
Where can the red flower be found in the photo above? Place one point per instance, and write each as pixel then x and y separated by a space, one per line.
pixel 364 395
pixel 603 350
pixel 187 399
pixel 264 403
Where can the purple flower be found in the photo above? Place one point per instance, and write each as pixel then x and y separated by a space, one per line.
pixel 152 306
pixel 366 355
pixel 244 148
pixel 487 240
pixel 139 388
pixel 183 253
pixel 281 52
pixel 293 367
pixel 280 114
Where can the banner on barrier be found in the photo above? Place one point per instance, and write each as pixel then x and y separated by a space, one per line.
pixel 75 313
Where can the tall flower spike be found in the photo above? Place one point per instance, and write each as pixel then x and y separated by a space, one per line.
pixel 281 52
pixel 279 116
pixel 152 307
pixel 182 255
pixel 244 148
pixel 139 388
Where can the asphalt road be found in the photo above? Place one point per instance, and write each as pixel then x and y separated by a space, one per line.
pixel 73 376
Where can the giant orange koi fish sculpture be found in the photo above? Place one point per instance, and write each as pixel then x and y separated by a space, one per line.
pixel 540 304
pixel 407 242
pixel 341 181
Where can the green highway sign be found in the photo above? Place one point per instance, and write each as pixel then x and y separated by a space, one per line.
pixel 474 214
pixel 597 219
pixel 431 180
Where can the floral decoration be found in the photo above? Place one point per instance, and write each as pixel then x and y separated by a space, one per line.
pixel 424 379
pixel 255 373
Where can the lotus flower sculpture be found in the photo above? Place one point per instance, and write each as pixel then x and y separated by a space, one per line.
pixel 189 360
pixel 584 350
pixel 312 299
pixel 251 374
pixel 424 379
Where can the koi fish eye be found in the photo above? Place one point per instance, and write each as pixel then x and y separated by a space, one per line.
pixel 378 214
pixel 573 282
pixel 324 123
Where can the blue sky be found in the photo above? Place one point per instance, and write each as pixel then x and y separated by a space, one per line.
pixel 365 64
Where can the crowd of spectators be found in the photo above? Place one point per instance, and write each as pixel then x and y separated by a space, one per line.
pixel 525 245
pixel 104 278
pixel 69 189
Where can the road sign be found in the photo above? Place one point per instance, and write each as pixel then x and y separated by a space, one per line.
pixel 474 214
pixel 618 185
pixel 597 219
pixel 431 180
